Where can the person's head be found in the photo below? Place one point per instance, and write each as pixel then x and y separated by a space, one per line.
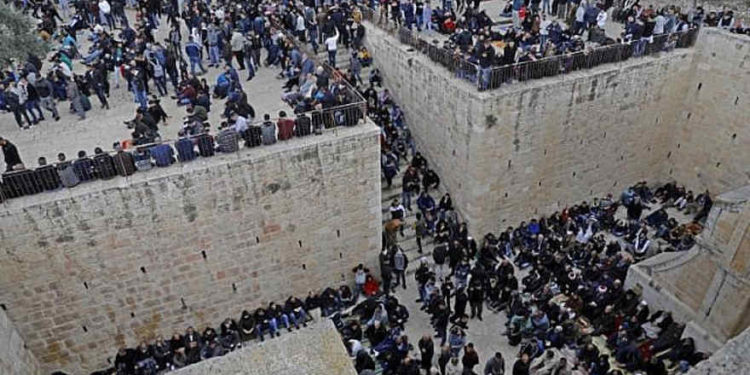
pixel 266 117
pixel 282 114
pixel 117 146
pixel 454 361
pixel 525 358
pixel 3 141
pixel 98 151
pixel 61 157
pixel 81 154
pixel 42 161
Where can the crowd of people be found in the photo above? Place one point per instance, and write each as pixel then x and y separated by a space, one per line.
pixel 233 36
pixel 540 29
pixel 558 279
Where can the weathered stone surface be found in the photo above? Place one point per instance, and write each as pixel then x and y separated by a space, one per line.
pixel 538 146
pixel 112 262
pixel 15 359
pixel 731 359
pixel 316 350
pixel 710 138
pixel 708 287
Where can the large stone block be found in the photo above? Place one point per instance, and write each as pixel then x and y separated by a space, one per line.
pixel 110 263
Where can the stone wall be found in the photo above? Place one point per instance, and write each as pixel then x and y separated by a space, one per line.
pixel 707 287
pixel 316 350
pixel 739 6
pixel 15 358
pixel 439 109
pixel 710 142
pixel 535 147
pixel 112 262
pixel 731 359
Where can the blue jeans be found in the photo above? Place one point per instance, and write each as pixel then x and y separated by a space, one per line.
pixel 92 56
pixel 484 80
pixel 313 35
pixel 141 98
pixel 196 61
pixel 332 58
pixel 406 199
pixel 31 105
pixel 272 328
pixel 298 317
pixel 213 54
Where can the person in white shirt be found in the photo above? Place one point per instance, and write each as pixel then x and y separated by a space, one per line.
pixel 240 123
pixel 580 13
pixel 601 19
pixel 105 13
pixel 659 24
pixel 331 46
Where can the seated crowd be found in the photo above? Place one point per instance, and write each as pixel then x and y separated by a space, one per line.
pixel 558 279
pixel 184 349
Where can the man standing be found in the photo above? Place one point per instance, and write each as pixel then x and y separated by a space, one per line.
pixel 400 262
pixel 10 154
pixel 44 89
pixel 331 46
pixel 237 42
pixel 195 54
pixel 426 350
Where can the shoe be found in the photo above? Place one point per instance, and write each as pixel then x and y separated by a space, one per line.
pixel 278 334
pixel 304 325
pixel 57 118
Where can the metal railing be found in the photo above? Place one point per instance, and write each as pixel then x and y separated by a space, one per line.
pixel 495 76
pixel 106 165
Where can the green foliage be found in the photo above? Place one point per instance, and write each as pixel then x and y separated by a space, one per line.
pixel 18 36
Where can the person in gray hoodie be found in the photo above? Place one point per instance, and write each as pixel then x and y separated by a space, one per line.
pixel 268 130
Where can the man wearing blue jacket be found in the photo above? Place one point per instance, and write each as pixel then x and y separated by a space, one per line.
pixel 195 54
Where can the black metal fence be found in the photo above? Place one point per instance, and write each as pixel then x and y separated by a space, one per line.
pixel 496 76
pixel 164 153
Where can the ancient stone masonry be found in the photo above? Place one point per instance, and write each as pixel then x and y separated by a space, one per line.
pixel 15 358
pixel 707 287
pixel 535 147
pixel 731 359
pixel 317 350
pixel 710 138
pixel 112 262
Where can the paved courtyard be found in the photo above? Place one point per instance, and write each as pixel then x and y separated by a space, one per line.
pixel 102 127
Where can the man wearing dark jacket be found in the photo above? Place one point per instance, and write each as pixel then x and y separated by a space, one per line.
pixel 124 162
pixel 426 351
pixel 10 154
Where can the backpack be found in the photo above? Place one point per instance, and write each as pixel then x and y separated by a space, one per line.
pixel 86 103
pixel 205 145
